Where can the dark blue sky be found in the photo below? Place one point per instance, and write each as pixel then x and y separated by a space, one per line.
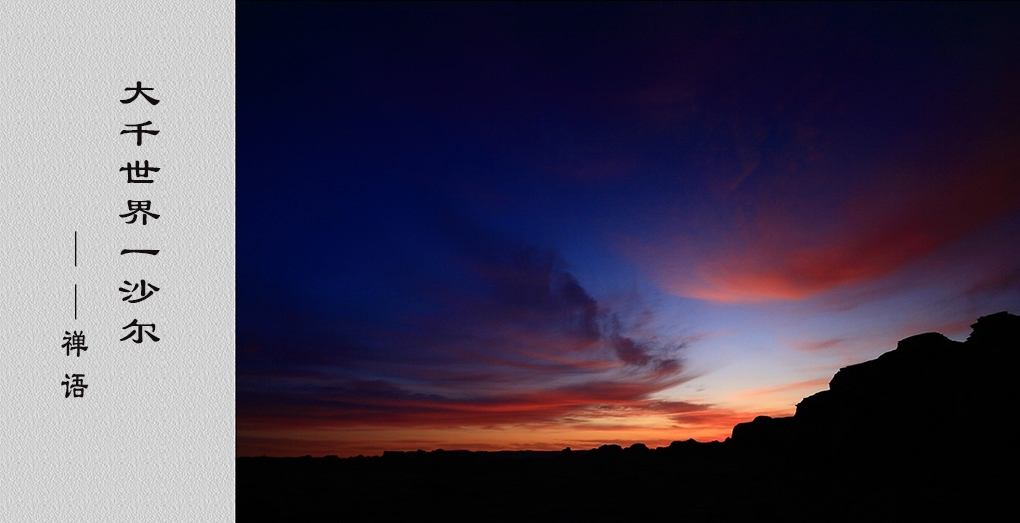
pixel 508 225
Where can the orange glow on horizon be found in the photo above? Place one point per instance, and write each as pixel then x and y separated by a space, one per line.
pixel 294 437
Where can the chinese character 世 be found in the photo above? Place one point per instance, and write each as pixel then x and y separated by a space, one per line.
pixel 139 328
pixel 74 342
pixel 134 206
pixel 137 171
pixel 138 89
pixel 138 130
pixel 144 291
pixel 76 385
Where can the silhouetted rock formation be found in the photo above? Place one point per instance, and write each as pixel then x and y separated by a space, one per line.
pixel 920 432
pixel 928 394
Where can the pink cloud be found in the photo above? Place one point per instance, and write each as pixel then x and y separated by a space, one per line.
pixel 817 345
pixel 785 254
pixel 814 385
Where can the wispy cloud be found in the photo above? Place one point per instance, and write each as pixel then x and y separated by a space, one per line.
pixel 818 344
pixel 510 339
pixel 782 254
pixel 807 385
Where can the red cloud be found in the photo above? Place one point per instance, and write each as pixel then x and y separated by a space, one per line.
pixel 582 407
pixel 880 230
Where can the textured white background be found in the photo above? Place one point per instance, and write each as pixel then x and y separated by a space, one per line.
pixel 153 437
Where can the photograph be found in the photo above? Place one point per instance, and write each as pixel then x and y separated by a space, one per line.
pixel 614 261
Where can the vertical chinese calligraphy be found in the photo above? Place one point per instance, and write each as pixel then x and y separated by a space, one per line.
pixel 139 173
pixel 85 437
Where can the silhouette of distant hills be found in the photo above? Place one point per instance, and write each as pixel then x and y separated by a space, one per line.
pixel 922 431
pixel 928 393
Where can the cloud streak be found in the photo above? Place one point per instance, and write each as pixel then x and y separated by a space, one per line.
pixel 883 228
pixel 510 339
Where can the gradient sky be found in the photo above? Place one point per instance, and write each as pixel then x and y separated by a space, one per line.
pixel 537 226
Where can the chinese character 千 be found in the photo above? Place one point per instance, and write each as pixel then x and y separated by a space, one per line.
pixel 75 342
pixel 139 131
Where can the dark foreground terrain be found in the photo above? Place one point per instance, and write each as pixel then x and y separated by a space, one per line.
pixel 924 431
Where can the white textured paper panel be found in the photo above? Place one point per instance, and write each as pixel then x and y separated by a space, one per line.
pixel 153 437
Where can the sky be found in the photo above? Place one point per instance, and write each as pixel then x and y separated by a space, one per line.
pixel 540 226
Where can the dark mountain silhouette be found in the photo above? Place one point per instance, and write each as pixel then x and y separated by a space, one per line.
pixel 923 431
pixel 928 393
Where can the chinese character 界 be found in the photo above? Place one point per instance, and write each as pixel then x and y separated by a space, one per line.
pixel 134 206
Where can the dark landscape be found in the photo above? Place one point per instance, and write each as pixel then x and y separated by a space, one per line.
pixel 487 228
pixel 922 431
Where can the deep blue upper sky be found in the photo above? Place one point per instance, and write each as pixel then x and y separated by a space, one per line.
pixel 566 218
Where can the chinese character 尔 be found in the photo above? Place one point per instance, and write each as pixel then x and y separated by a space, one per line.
pixel 140 328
